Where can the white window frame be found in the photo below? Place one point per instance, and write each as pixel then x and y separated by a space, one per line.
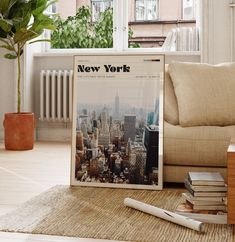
pixel 120 37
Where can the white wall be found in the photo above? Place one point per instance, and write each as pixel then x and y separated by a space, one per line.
pixel 28 77
pixel 50 131
pixel 7 88
pixel 216 34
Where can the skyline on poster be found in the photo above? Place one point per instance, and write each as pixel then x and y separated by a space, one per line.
pixel 113 138
pixel 136 93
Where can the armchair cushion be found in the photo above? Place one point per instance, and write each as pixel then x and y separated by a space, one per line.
pixel 171 113
pixel 205 93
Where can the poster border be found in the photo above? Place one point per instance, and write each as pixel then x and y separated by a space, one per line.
pixel 73 181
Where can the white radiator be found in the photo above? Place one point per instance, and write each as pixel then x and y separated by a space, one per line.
pixel 56 95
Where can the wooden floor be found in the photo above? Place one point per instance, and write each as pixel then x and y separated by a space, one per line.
pixel 25 174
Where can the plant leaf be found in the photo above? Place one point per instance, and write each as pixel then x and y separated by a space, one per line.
pixel 17 20
pixel 10 56
pixel 6 24
pixel 12 3
pixel 4 6
pixel 8 47
pixel 38 7
pixel 43 22
pixel 23 20
pixel 20 11
pixel 23 35
pixel 3 34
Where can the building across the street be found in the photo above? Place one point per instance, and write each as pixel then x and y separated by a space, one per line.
pixel 150 20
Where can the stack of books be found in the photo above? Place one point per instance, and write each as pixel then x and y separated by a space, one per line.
pixel 205 199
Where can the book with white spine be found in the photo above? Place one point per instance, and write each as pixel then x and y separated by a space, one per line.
pixel 206 179
pixel 204 200
pixel 209 188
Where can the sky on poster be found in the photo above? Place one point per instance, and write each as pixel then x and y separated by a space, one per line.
pixel 136 93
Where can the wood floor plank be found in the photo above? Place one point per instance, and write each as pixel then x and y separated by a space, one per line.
pixel 17 237
pixel 25 174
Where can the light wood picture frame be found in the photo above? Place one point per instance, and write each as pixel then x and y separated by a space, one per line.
pixel 117 130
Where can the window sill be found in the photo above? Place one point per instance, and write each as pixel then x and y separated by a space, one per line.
pixel 178 21
pixel 73 52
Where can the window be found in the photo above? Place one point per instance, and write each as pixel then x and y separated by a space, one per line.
pixel 189 9
pixel 98 7
pixel 124 24
pixel 83 24
pixel 146 9
pixel 159 24
pixel 53 8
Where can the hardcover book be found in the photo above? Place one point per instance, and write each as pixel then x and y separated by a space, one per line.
pixel 205 193
pixel 206 178
pixel 216 207
pixel 209 188
pixel 204 200
pixel 206 216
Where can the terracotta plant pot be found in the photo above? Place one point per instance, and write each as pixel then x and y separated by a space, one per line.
pixel 19 131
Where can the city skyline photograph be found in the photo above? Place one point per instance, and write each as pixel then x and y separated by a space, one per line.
pixel 113 132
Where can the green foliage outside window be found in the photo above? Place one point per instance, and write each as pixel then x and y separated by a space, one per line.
pixel 130 34
pixel 80 32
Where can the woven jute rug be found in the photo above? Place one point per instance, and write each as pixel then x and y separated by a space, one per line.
pixel 99 213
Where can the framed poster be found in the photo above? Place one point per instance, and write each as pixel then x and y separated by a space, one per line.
pixel 117 134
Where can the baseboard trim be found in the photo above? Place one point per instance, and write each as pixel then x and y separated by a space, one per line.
pixel 53 134
pixel 48 133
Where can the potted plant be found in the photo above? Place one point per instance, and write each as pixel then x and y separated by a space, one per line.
pixel 20 22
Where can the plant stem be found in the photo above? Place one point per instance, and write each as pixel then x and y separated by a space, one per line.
pixel 19 77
